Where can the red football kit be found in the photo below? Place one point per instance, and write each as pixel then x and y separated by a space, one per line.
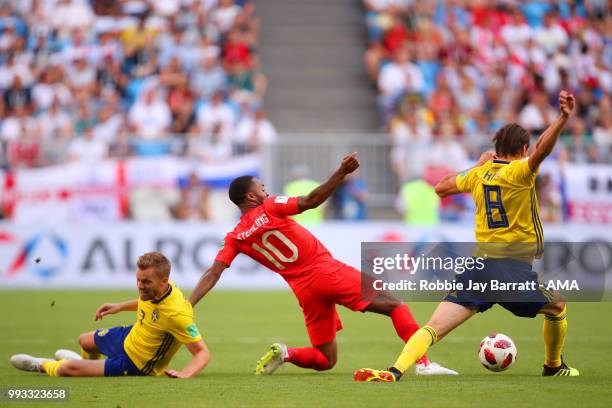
pixel 269 236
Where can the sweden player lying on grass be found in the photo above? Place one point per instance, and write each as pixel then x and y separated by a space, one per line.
pixel 164 321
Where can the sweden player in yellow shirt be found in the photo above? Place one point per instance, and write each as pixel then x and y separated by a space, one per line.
pixel 164 321
pixel 503 187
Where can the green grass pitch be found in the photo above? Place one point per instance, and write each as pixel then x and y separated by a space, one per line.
pixel 239 326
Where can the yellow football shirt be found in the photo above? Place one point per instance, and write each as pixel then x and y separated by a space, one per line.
pixel 160 329
pixel 506 204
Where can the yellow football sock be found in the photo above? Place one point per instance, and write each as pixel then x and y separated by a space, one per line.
pixel 416 347
pixel 50 367
pixel 553 331
pixel 89 356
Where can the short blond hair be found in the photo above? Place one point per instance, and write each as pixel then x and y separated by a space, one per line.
pixel 155 260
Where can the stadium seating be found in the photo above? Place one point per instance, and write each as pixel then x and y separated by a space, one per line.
pixel 465 68
pixel 86 80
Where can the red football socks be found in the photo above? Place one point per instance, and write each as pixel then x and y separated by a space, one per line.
pixel 308 357
pixel 405 325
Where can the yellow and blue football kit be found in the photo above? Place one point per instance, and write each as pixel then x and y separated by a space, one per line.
pixel 506 202
pixel 508 230
pixel 146 347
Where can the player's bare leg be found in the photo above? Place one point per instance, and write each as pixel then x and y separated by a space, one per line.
pixel 553 331
pixel 384 303
pixel 80 368
pixel 330 350
pixel 445 318
pixel 405 326
pixel 89 350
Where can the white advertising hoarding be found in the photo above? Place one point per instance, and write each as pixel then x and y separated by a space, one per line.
pixel 103 255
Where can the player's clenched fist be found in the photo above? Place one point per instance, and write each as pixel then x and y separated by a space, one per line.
pixel 566 102
pixel 106 309
pixel 349 164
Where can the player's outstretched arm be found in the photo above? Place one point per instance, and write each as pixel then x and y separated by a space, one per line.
pixel 200 359
pixel 448 185
pixel 207 282
pixel 112 308
pixel 318 196
pixel 547 140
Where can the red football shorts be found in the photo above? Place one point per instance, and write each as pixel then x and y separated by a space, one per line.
pixel 318 302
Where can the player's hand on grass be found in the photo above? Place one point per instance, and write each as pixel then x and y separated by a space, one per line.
pixel 174 374
pixel 485 157
pixel 106 309
pixel 566 103
pixel 349 164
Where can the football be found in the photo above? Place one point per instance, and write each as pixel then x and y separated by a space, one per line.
pixel 497 352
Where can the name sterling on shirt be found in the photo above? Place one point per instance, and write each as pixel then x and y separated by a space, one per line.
pixel 259 222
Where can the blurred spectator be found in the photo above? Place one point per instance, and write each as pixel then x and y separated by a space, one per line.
pixel 12 67
pixel 300 184
pixel 86 148
pixel 516 32
pixel 69 14
pixel 446 150
pixel 49 89
pixel 150 116
pixel 193 203
pixel 210 78
pixel 418 203
pixel 469 97
pixel 578 146
pixel 252 132
pixel 217 111
pixel 81 76
pixel 137 39
pixel 22 137
pixel 538 114
pixel 182 101
pixel 236 51
pixel 551 36
pixel 223 17
pixel 602 135
pixel 17 96
pixel 55 122
pixel 215 146
pixel 18 125
pixel 84 118
pixel 348 202
pixel 549 199
pixel 109 124
pixel 411 140
pixel 397 77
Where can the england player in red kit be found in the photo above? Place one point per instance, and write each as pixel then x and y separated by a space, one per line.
pixel 267 234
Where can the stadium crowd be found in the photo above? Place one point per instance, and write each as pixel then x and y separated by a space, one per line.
pixel 89 79
pixel 449 73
